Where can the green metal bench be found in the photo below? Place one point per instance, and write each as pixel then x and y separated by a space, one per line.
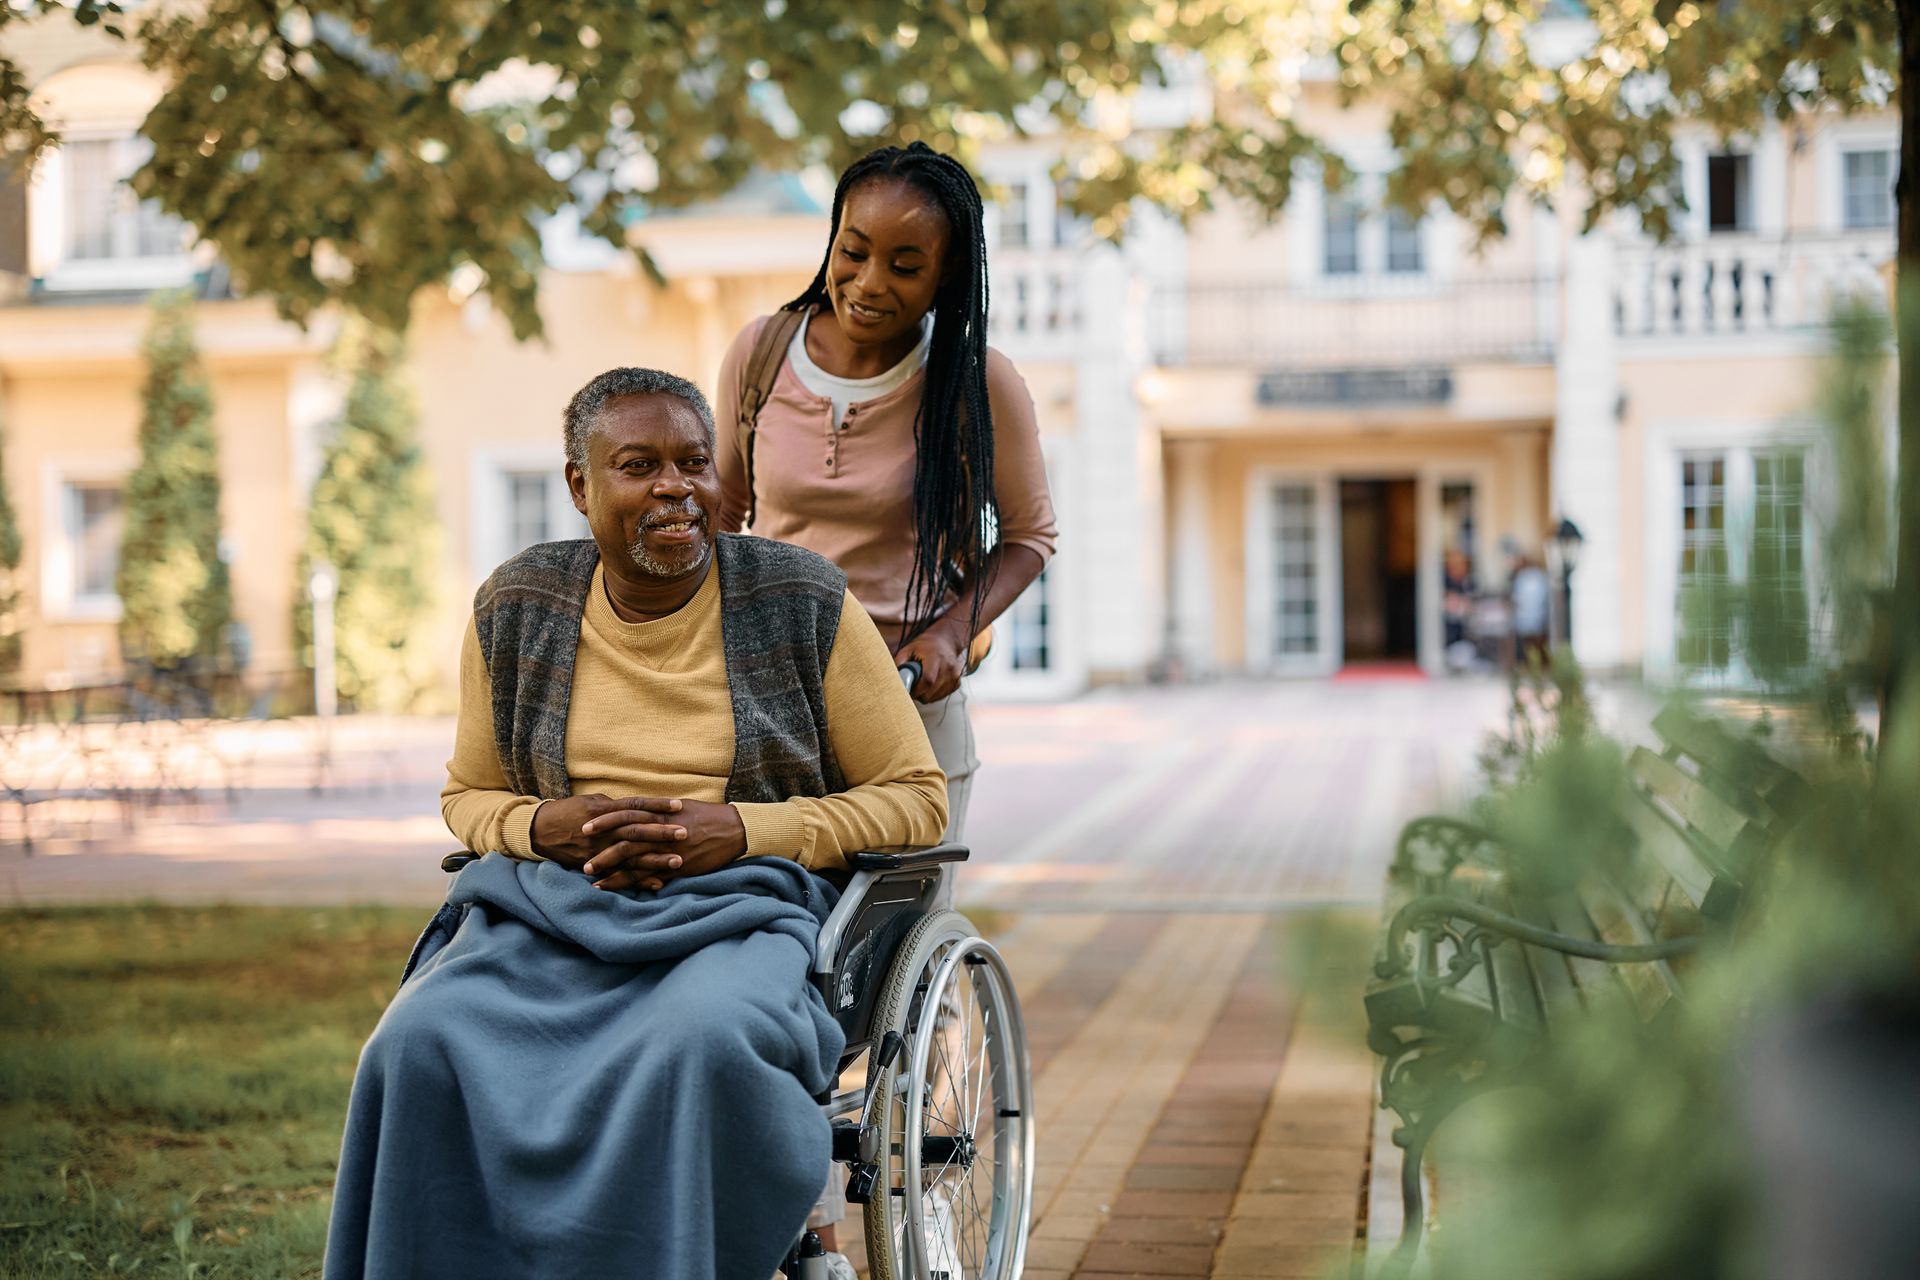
pixel 1479 965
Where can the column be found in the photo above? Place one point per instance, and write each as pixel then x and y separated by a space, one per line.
pixel 1584 470
pixel 1118 541
pixel 1191 586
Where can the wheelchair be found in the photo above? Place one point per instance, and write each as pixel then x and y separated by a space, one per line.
pixel 938 1138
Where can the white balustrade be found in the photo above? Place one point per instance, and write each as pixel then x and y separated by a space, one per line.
pixel 1743 284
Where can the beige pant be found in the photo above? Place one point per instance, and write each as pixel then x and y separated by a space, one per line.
pixel 950 730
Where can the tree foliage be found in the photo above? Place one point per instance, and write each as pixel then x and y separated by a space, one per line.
pixel 371 517
pixel 340 151
pixel 1495 97
pixel 174 592
pixel 23 134
pixel 11 622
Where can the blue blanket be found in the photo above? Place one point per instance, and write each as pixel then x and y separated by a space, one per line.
pixel 579 1083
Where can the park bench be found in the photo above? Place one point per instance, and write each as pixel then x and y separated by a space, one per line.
pixel 1485 956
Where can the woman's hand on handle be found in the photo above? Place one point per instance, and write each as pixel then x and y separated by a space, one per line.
pixel 941 651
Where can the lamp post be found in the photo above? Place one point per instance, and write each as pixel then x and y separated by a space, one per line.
pixel 1566 540
pixel 322 585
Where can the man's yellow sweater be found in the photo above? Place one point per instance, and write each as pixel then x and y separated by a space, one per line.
pixel 650 715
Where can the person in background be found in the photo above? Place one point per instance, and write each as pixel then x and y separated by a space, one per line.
pixel 1532 605
pixel 869 421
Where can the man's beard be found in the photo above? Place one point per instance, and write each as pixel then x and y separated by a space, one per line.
pixel 679 561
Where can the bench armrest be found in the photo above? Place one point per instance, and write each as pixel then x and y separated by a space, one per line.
pixel 1439 906
pixel 1436 847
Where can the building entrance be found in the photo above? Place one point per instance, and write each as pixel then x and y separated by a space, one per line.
pixel 1379 555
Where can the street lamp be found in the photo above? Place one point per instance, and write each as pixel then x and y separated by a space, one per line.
pixel 322 586
pixel 1566 540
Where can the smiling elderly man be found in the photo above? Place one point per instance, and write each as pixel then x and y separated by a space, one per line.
pixel 602 1058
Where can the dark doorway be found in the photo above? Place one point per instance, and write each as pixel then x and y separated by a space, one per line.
pixel 1379 549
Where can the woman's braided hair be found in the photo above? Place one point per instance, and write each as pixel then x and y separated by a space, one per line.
pixel 953 500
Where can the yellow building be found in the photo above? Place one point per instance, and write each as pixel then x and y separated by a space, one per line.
pixel 1275 450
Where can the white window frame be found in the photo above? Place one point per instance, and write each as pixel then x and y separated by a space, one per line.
pixel 1667 444
pixel 1038 213
pixel 1307 227
pixel 1066 674
pixel 59 602
pixel 1430 624
pixel 1893 166
pixel 1743 202
pixel 1766 149
pixel 489 495
pixel 47 218
pixel 1261 596
pixel 1831 144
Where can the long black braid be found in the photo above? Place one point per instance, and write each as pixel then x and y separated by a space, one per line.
pixel 953 499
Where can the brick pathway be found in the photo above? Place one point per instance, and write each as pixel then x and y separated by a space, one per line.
pixel 1190 940
pixel 1185 884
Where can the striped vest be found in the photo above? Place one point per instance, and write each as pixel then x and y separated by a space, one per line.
pixel 779 613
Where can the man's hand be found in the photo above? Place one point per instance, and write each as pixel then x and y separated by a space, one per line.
pixel 710 836
pixel 941 651
pixel 574 829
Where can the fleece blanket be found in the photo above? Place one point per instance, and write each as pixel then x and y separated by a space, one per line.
pixel 572 1082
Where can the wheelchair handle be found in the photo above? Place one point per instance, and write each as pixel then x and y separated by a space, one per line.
pixel 910 673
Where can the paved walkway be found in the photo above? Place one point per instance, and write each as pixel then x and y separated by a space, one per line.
pixel 1185 883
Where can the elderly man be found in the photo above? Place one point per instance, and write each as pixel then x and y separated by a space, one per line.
pixel 602 1059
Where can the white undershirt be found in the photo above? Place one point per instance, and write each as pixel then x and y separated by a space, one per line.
pixel 850 391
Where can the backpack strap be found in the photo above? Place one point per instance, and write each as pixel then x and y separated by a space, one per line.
pixel 756 383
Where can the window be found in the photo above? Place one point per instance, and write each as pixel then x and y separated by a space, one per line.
pixel 1776 630
pixel 1295 553
pixel 528 521
pixel 95 520
pixel 1340 238
pixel 1403 242
pixel 1362 235
pixel 1729 201
pixel 1866 189
pixel 104 220
pixel 1743 590
pixel 1028 625
pixel 1706 623
pixel 519 500
pixel 1013 217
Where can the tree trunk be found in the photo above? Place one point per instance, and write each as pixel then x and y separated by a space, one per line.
pixel 1903 666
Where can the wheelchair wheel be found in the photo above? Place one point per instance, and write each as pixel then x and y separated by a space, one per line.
pixel 956 1132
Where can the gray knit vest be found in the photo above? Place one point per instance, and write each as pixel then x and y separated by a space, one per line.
pixel 779 613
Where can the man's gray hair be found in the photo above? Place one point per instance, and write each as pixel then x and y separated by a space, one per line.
pixel 583 411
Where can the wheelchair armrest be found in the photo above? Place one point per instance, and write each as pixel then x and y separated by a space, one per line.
pixel 907 857
pixel 455 861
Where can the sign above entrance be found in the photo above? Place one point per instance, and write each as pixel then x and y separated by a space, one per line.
pixel 1355 386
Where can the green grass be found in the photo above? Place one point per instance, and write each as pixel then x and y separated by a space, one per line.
pixel 173 1083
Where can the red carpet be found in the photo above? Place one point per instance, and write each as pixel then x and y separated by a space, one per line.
pixel 1372 671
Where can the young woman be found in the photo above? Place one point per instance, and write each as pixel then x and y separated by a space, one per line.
pixel 892 439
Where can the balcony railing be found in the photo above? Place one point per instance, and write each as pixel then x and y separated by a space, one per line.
pixel 1743 284
pixel 1374 321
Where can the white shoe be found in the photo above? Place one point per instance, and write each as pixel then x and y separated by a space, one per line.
pixel 838 1268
